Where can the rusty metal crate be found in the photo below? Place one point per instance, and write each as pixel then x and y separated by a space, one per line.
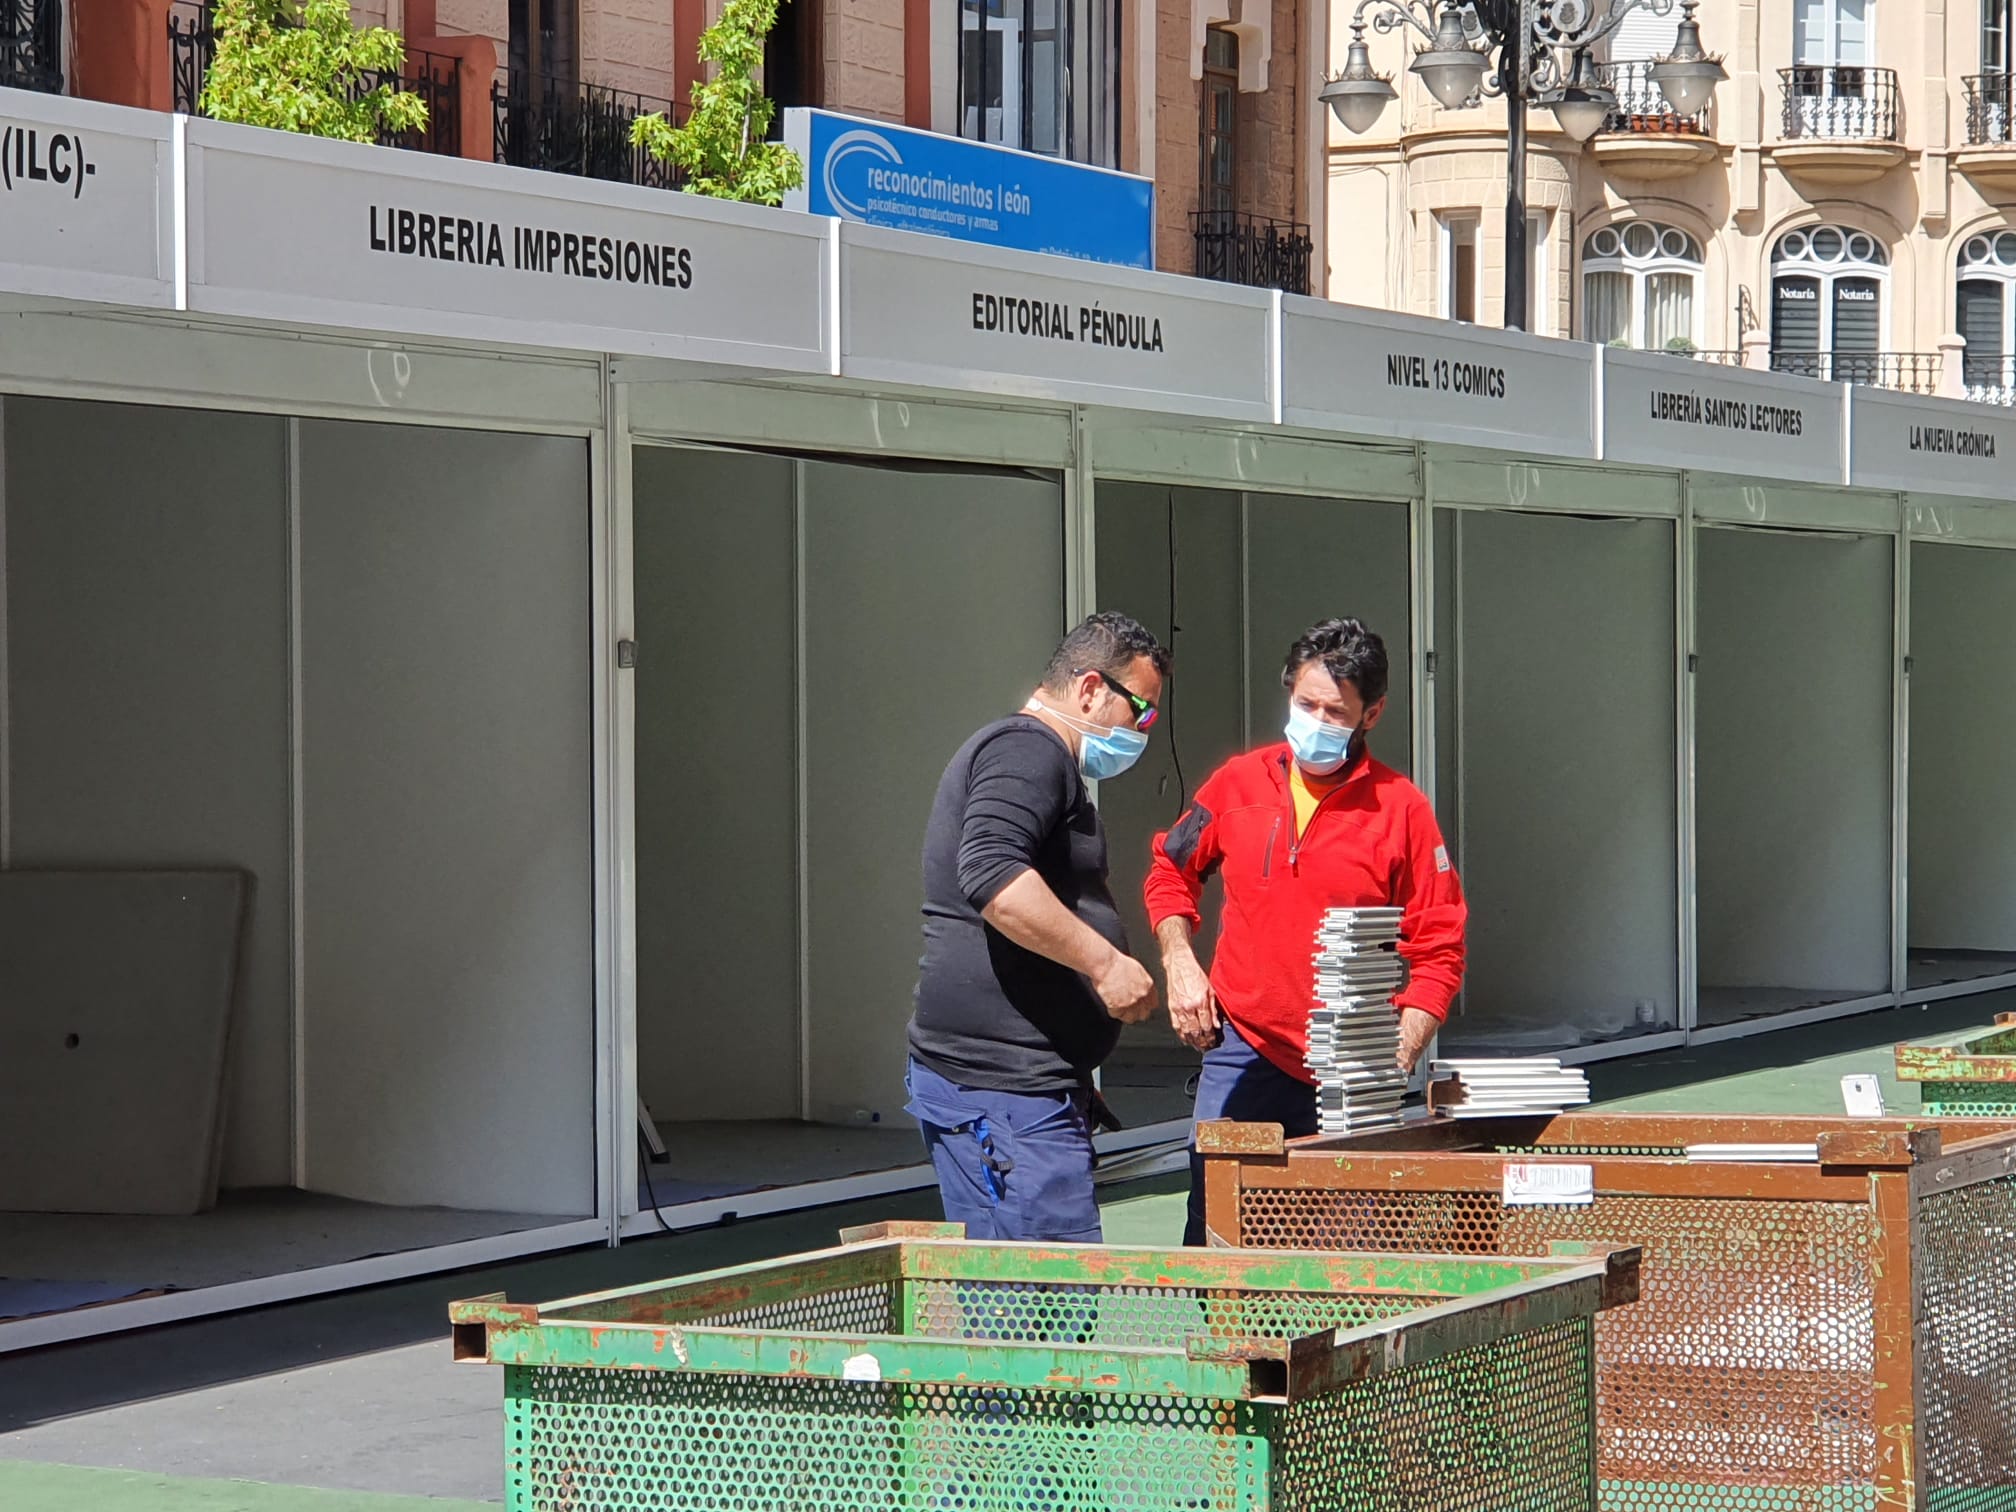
pixel 1831 1335
pixel 1975 1078
pixel 909 1371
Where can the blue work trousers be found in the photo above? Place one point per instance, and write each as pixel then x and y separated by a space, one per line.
pixel 1011 1165
pixel 1239 1082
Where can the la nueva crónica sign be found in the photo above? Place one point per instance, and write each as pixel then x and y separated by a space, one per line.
pixel 909 180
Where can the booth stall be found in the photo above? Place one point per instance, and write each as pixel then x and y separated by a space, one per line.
pixel 1958 852
pixel 478 648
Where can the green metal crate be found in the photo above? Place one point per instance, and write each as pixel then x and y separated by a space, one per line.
pixel 909 1371
pixel 1973 1078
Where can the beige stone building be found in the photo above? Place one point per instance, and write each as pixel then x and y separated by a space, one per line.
pixel 1846 207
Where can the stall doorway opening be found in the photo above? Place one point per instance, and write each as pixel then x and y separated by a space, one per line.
pixel 816 637
pixel 296 901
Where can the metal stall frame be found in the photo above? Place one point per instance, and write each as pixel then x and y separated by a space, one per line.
pixel 1932 521
pixel 665 405
pixel 1719 502
pixel 59 351
pixel 1811 1326
pixel 1471 481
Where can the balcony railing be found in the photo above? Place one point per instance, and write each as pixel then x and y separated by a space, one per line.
pixel 1641 105
pixel 582 129
pixel 1989 378
pixel 1988 102
pixel 192 45
pixel 1913 372
pixel 1233 247
pixel 1839 104
pixel 31 45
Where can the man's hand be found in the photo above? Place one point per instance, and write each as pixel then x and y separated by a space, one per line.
pixel 1126 989
pixel 1193 1008
pixel 1417 1028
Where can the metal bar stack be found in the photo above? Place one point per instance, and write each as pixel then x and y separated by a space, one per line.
pixel 1498 1088
pixel 1354 1034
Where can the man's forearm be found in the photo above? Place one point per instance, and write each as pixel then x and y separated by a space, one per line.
pixel 1027 912
pixel 1173 935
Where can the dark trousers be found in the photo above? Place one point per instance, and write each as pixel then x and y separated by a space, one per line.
pixel 1010 1165
pixel 1238 1082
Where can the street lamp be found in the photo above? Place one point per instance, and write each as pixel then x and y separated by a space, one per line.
pixel 1545 57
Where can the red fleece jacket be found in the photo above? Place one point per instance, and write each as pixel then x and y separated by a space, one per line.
pixel 1372 841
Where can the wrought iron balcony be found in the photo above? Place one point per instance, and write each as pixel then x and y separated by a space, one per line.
pixel 1988 113
pixel 192 45
pixel 1837 103
pixel 1641 105
pixel 1913 372
pixel 1233 247
pixel 31 45
pixel 1989 378
pixel 582 129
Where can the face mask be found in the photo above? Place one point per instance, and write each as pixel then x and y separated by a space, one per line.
pixel 1319 748
pixel 1102 752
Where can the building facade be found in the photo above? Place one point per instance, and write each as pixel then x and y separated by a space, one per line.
pixel 1845 208
pixel 1215 100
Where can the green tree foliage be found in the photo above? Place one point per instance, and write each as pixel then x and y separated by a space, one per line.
pixel 720 150
pixel 308 70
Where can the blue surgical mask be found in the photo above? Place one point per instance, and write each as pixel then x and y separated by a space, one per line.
pixel 1103 752
pixel 1319 748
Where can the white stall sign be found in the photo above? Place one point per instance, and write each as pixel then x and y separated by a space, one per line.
pixel 85 201
pixel 1931 445
pixel 1681 412
pixel 1374 373
pixel 919 309
pixel 331 233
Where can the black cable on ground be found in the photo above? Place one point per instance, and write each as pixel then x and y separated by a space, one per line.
pixel 650 1186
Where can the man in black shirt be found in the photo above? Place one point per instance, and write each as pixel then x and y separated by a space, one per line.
pixel 1026 977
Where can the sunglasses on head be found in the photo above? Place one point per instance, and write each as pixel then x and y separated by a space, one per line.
pixel 1145 713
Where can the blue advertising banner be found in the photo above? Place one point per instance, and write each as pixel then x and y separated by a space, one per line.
pixel 908 180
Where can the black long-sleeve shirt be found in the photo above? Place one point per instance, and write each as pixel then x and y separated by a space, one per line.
pixel 990 1013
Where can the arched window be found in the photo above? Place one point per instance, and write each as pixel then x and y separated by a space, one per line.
pixel 1827 287
pixel 1986 314
pixel 1641 287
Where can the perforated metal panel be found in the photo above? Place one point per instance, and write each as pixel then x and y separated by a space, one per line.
pixel 1744 1378
pixel 1413 1223
pixel 1504 1428
pixel 1135 1317
pixel 1748 1362
pixel 1968 1099
pixel 1967 1362
pixel 650 1441
pixel 870 1309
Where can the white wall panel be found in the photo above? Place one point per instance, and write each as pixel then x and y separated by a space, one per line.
pixel 1963 730
pixel 146 599
pixel 449 961
pixel 933 600
pixel 717 788
pixel 1792 757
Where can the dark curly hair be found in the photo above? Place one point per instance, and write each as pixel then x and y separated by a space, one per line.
pixel 1108 642
pixel 1350 652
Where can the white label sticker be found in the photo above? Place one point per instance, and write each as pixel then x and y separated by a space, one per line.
pixel 1528 1184
pixel 1862 1096
pixel 1441 858
pixel 861 1367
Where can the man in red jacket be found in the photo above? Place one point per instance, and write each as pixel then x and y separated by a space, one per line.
pixel 1294 829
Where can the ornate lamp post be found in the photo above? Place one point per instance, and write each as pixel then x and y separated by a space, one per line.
pixel 1544 57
